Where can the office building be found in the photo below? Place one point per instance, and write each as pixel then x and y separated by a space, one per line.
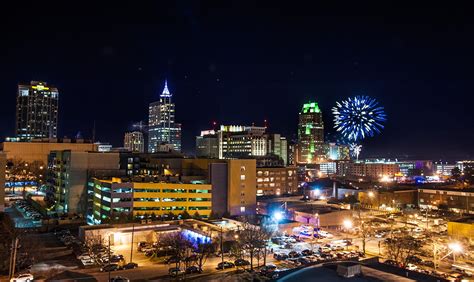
pixel 276 181
pixel 234 187
pixel 388 199
pixel 241 141
pixel 310 135
pixel 110 198
pixel 207 145
pixel 450 199
pixel 162 128
pixel 36 111
pixel 38 149
pixel 277 145
pixel 69 172
pixel 134 141
pixel 415 167
pixel 3 163
pixel 443 168
pixel 369 170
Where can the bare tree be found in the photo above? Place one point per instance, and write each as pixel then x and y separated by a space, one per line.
pixel 203 251
pixel 402 247
pixel 253 239
pixel 178 244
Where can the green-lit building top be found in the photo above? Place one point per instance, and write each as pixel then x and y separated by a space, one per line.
pixel 311 107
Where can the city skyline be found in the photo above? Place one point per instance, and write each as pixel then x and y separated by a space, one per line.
pixel 110 74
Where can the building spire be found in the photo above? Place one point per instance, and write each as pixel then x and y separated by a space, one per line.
pixel 166 92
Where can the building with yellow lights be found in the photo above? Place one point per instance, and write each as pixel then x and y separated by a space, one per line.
pixel 110 198
pixel 462 229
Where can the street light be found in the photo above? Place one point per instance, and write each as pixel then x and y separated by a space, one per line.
pixel 455 247
pixel 347 223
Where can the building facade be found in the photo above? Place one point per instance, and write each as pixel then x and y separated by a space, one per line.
pixel 277 145
pixel 276 181
pixel 386 199
pixel 207 145
pixel 68 175
pixel 162 128
pixel 310 135
pixel 134 141
pixel 110 198
pixel 452 199
pixel 38 149
pixel 241 141
pixel 369 170
pixel 36 111
pixel 3 164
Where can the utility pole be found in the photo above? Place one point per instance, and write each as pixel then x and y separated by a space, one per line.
pixel 222 247
pixel 131 248
pixel 13 258
pixel 109 257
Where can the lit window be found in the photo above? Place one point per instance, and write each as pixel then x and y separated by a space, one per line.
pixel 242 209
pixel 242 177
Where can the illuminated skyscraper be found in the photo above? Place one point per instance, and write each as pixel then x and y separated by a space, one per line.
pixel 36 111
pixel 162 128
pixel 134 141
pixel 310 135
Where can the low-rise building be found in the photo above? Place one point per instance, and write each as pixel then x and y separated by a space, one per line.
pixel 207 145
pixel 110 198
pixel 387 199
pixel 462 229
pixel 371 170
pixel 3 163
pixel 276 181
pixel 453 199
pixel 38 149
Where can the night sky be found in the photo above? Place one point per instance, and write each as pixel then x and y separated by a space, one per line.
pixel 240 62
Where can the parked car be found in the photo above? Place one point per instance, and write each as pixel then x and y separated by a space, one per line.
pixel 224 265
pixel 172 259
pixel 130 265
pixel 110 267
pixel 391 262
pixel 307 252
pixel 304 260
pixel 280 256
pixel 241 262
pixel 268 268
pixel 119 279
pixel 293 254
pixel 428 263
pixel 23 277
pixel 193 269
pixel 414 259
pixel 175 272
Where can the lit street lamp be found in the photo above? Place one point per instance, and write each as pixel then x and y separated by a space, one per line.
pixel 455 247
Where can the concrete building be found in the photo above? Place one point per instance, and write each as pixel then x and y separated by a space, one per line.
pixel 386 199
pixel 38 149
pixel 69 172
pixel 134 141
pixel 110 198
pixel 3 163
pixel 234 187
pixel 452 199
pixel 462 229
pixel 443 168
pixel 310 135
pixel 369 170
pixel 207 145
pixel 276 181
pixel 36 111
pixel 162 128
pixel 237 141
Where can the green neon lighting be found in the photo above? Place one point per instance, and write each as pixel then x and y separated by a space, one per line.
pixel 311 107
pixel 308 129
pixel 311 148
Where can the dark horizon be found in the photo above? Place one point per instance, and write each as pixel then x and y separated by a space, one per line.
pixel 241 63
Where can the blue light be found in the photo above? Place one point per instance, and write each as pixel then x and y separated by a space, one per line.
pixel 359 117
pixel 278 215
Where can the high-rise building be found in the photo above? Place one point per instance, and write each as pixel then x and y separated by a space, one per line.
pixel 162 128
pixel 207 145
pixel 68 174
pixel 310 135
pixel 278 145
pixel 36 111
pixel 134 141
pixel 237 141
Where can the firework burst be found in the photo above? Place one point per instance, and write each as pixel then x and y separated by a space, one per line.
pixel 358 117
